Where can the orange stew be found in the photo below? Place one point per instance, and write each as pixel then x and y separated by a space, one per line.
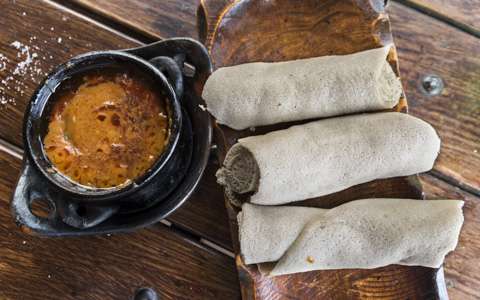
pixel 107 130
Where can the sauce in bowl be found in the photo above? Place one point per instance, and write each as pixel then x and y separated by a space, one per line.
pixel 106 129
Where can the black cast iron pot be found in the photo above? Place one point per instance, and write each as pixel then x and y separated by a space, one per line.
pixel 76 209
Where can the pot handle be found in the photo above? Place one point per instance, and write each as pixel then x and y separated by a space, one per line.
pixel 23 197
pixel 171 69
pixel 62 219
pixel 82 217
pixel 182 50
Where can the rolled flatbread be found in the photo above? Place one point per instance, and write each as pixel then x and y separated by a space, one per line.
pixel 327 156
pixel 363 234
pixel 260 93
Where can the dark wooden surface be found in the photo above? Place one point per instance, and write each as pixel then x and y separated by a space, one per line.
pixel 105 267
pixel 157 19
pixel 425 44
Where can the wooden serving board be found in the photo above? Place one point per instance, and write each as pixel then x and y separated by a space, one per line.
pixel 241 31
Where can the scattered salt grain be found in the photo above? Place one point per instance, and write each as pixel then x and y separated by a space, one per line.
pixel 24 242
pixel 21 68
pixel 64 18
pixel 3 62
pixel 52 28
pixel 26 67
pixel 24 13
pixel 16 44
pixel 59 40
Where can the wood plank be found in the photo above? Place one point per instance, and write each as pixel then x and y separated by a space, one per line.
pixel 455 113
pixel 161 18
pixel 442 50
pixel 204 214
pixel 461 266
pixel 156 19
pixel 105 267
pixel 465 12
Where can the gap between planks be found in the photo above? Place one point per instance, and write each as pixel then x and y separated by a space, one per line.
pixel 195 239
pixel 130 32
pixel 127 32
pixel 136 34
pixel 440 17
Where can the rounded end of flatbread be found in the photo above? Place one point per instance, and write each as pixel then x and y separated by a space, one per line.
pixel 389 86
pixel 239 175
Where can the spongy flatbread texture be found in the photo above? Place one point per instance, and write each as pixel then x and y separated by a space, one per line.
pixel 256 94
pixel 366 233
pixel 327 156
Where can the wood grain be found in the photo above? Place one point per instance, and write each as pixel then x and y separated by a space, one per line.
pixel 105 267
pixel 155 19
pixel 466 12
pixel 204 214
pixel 296 31
pixel 455 114
pixel 461 266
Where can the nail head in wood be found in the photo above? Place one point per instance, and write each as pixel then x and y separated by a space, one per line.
pixel 145 294
pixel 431 85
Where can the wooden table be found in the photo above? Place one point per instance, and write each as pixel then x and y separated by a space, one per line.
pixel 188 256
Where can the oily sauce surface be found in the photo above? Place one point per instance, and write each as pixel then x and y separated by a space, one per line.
pixel 107 129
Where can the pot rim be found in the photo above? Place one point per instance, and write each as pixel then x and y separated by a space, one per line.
pixel 35 116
